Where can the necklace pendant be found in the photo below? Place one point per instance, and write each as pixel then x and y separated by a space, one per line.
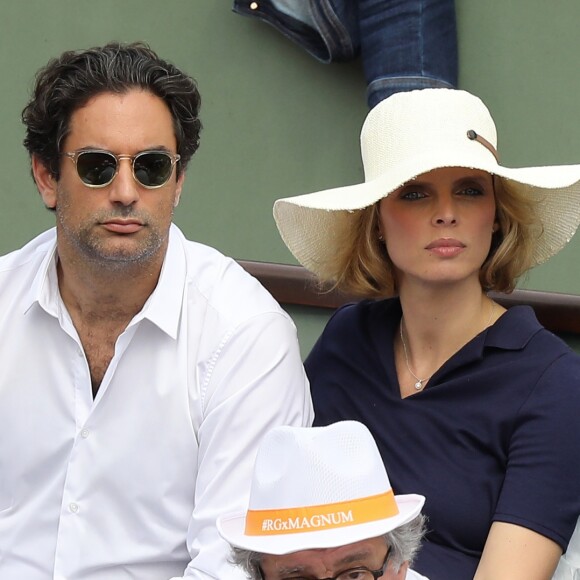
pixel 418 385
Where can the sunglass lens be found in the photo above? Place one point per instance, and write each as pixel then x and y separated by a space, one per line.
pixel 96 168
pixel 152 169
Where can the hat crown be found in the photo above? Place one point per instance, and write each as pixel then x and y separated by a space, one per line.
pixel 303 467
pixel 426 124
pixel 317 487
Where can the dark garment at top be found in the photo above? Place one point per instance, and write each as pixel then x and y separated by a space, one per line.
pixel 494 436
pixel 404 44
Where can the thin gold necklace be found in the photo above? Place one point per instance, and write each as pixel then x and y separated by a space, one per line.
pixel 419 384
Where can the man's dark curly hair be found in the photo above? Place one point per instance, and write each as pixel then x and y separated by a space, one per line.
pixel 68 82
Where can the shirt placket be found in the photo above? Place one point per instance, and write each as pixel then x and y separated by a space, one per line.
pixel 76 506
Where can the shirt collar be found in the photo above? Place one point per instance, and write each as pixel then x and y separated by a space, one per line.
pixel 163 308
pixel 514 329
pixel 44 287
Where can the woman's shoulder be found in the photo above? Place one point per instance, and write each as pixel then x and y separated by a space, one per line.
pixel 353 325
pixel 541 362
pixel 357 313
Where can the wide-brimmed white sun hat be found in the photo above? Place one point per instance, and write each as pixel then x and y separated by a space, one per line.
pixel 411 133
pixel 317 487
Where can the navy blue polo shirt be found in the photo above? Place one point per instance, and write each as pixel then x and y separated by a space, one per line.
pixel 494 436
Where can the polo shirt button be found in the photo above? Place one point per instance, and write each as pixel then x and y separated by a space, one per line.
pixel 85 433
pixel 253 6
pixel 73 507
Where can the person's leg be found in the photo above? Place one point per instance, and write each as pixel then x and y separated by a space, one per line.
pixel 337 22
pixel 327 29
pixel 407 44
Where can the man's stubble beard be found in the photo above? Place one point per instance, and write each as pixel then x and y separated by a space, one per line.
pixel 97 250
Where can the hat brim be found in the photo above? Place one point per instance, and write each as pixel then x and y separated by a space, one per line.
pixel 232 529
pixel 310 225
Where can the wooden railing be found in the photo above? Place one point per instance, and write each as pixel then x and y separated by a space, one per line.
pixel 289 284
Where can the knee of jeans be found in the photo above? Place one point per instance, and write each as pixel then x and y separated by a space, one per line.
pixel 337 23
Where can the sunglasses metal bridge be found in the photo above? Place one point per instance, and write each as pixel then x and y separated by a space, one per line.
pixel 98 168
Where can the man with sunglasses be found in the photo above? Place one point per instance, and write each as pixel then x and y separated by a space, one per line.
pixel 139 370
pixel 322 508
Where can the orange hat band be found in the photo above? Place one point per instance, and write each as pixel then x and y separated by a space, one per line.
pixel 321 517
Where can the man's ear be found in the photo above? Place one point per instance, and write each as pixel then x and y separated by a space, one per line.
pixel 178 188
pixel 45 182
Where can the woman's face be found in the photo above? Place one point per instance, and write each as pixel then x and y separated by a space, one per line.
pixel 438 227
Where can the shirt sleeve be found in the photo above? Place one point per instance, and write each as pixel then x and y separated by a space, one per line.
pixel 540 490
pixel 254 382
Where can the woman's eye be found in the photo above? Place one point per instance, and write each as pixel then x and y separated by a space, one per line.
pixel 471 191
pixel 412 195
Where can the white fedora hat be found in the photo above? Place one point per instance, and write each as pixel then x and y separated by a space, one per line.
pixel 317 487
pixel 409 134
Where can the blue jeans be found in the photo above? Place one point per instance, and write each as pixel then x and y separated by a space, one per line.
pixel 404 44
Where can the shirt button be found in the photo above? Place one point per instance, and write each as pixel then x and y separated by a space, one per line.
pixel 253 5
pixel 85 433
pixel 73 507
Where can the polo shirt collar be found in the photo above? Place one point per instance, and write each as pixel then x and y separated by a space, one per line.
pixel 514 329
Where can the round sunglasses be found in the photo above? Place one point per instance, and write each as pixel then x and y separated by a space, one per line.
pixel 98 168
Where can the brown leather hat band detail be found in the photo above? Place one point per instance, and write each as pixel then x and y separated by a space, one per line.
pixel 471 134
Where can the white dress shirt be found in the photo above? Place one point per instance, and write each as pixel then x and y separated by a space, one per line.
pixel 412 575
pixel 569 564
pixel 128 485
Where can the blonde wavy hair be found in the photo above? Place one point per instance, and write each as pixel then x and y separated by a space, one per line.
pixel 361 265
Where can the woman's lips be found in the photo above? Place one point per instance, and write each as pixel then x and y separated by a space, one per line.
pixel 446 247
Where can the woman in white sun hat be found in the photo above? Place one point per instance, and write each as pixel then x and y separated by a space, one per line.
pixel 322 506
pixel 473 406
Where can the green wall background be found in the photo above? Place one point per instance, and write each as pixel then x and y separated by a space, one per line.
pixel 278 123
